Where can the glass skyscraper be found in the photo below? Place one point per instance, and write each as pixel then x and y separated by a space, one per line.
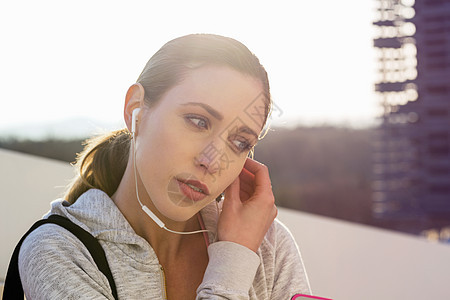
pixel 412 145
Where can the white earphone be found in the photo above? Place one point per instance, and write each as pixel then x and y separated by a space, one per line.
pixel 145 208
pixel 134 119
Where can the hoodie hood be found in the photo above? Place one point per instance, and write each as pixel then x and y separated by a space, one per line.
pixel 97 213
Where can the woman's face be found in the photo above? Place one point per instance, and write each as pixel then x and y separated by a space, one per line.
pixel 193 143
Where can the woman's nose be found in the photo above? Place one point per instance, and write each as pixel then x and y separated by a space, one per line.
pixel 210 158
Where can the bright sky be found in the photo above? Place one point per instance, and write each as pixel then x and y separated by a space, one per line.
pixel 65 59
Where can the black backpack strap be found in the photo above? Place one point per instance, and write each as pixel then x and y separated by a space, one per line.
pixel 13 285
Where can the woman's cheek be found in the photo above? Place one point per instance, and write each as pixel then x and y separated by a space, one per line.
pixel 235 169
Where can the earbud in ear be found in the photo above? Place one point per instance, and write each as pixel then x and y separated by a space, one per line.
pixel 220 197
pixel 134 119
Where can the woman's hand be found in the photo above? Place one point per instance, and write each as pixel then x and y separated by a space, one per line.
pixel 249 207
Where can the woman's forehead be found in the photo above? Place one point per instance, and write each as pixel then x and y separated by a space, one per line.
pixel 225 92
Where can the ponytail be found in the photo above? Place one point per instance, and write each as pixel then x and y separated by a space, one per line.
pixel 101 164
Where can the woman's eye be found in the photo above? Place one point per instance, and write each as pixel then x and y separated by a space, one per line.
pixel 199 122
pixel 242 146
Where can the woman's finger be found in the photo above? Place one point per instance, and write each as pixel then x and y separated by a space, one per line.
pixel 244 195
pixel 232 193
pixel 246 175
pixel 246 186
pixel 261 173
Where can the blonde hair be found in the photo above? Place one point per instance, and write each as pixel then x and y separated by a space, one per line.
pixel 103 161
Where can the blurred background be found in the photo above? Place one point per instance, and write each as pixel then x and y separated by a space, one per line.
pixel 361 129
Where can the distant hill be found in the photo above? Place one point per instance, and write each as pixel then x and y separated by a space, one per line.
pixel 322 170
pixel 60 149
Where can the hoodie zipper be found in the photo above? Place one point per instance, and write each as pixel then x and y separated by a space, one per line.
pixel 163 282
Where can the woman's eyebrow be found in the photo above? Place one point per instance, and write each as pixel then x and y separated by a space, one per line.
pixel 208 108
pixel 219 116
pixel 248 130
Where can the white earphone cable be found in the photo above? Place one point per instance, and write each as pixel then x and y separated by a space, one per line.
pixel 146 209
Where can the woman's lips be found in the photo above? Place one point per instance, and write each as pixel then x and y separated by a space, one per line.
pixel 193 189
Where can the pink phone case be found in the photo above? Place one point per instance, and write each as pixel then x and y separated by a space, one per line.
pixel 306 297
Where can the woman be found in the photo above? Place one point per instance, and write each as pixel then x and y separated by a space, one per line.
pixel 148 192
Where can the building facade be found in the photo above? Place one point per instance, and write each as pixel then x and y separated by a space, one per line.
pixel 412 145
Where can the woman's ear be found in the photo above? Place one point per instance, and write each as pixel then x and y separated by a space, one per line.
pixel 134 99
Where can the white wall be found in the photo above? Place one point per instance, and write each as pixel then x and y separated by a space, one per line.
pixel 27 185
pixel 353 262
pixel 344 261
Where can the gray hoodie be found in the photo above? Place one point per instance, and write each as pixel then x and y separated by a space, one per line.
pixel 54 264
